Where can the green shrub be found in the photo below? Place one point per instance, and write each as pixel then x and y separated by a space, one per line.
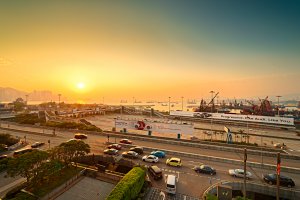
pixel 73 125
pixel 3 164
pixel 27 119
pixel 8 140
pixel 211 197
pixel 130 185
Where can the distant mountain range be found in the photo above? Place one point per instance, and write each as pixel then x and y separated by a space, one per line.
pixel 11 94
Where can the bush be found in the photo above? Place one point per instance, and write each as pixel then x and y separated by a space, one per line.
pixel 27 119
pixel 73 125
pixel 8 140
pixel 211 197
pixel 130 185
pixel 3 164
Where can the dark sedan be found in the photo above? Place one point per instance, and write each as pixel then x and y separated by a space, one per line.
pixel 115 146
pixel 205 169
pixel 283 180
pixel 138 150
pixel 37 144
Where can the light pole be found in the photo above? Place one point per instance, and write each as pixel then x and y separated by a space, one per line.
pixel 261 144
pixel 211 121
pixel 132 101
pixel 59 95
pixel 169 105
pixel 182 103
pixel 26 98
pixel 278 104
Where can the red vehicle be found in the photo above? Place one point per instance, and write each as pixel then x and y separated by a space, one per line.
pixel 115 146
pixel 125 141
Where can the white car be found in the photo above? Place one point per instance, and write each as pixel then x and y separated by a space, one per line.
pixel 239 173
pixel 150 158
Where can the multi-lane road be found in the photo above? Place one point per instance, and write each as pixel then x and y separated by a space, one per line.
pixel 189 182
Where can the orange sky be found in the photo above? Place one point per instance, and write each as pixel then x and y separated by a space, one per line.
pixel 121 51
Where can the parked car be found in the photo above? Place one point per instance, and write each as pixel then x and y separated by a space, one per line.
pixel 37 144
pixel 150 158
pixel 155 172
pixel 115 146
pixel 159 154
pixel 80 136
pixel 176 162
pixel 130 154
pixel 205 169
pixel 139 150
pixel 171 184
pixel 110 151
pixel 239 173
pixel 125 141
pixel 283 180
pixel 3 157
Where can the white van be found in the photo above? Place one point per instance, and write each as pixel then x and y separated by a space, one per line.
pixel 171 184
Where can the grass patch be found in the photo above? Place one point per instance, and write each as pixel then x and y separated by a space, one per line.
pixel 56 180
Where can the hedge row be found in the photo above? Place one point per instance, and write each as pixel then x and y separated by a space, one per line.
pixel 130 185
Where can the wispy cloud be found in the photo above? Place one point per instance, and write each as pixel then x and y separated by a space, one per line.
pixel 5 61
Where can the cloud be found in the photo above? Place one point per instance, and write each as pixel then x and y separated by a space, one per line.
pixel 5 62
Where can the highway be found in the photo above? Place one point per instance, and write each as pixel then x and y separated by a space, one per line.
pixel 106 122
pixel 189 182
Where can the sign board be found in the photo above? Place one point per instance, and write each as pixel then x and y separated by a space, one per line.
pixel 234 117
pixel 159 127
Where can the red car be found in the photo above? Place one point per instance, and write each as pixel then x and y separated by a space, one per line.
pixel 125 141
pixel 115 146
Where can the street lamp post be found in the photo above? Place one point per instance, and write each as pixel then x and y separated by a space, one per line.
pixel 132 101
pixel 169 105
pixel 211 121
pixel 278 104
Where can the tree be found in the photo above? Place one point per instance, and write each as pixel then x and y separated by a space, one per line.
pixel 19 104
pixel 69 151
pixel 27 165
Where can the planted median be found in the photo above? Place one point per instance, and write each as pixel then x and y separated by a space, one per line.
pixel 130 185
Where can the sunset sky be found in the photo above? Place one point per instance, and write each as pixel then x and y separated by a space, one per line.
pixel 151 50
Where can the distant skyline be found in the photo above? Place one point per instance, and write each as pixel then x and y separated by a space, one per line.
pixel 151 50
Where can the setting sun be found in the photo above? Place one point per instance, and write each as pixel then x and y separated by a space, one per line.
pixel 80 85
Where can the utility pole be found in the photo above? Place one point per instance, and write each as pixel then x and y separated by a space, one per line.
pixel 245 172
pixel 182 103
pixel 278 104
pixel 278 175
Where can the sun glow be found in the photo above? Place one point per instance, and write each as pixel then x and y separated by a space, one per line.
pixel 80 85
